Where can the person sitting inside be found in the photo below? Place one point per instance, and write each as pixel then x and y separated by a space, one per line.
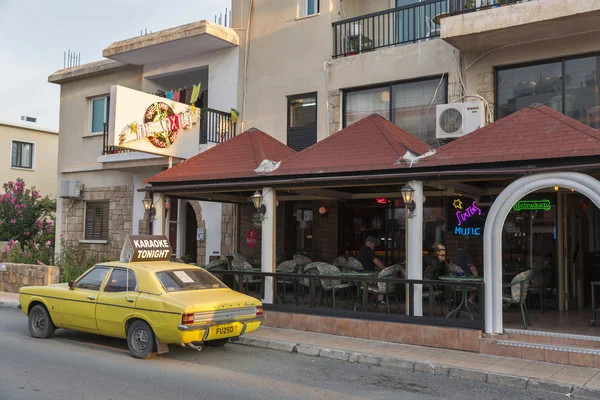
pixel 462 258
pixel 366 256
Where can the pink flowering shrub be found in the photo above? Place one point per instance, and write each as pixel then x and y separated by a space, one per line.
pixel 27 224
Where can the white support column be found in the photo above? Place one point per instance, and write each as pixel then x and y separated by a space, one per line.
pixel 268 241
pixel 415 247
pixel 158 223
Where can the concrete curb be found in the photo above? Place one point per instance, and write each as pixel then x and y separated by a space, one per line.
pixel 9 304
pixel 492 378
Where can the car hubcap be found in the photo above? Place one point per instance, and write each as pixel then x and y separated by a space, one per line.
pixel 140 339
pixel 38 323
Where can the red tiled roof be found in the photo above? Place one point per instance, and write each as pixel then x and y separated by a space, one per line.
pixel 536 132
pixel 236 158
pixel 373 143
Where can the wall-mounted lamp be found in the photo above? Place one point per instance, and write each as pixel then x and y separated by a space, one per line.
pixel 408 196
pixel 167 204
pixel 149 208
pixel 257 200
pixel 323 211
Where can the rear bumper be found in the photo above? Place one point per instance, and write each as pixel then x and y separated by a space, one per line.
pixel 205 326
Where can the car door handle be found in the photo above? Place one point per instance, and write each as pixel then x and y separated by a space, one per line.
pixel 130 300
pixel 91 298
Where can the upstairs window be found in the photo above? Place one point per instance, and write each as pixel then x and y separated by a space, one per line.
pixel 302 121
pixel 22 155
pixel 308 8
pixel 99 114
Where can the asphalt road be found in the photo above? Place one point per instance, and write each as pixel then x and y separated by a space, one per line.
pixel 75 366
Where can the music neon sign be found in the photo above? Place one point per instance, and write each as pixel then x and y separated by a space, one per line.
pixel 462 216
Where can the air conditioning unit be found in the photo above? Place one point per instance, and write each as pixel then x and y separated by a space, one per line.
pixel 70 189
pixel 458 119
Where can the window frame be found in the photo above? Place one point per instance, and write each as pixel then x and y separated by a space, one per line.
pixel 289 100
pixel 127 271
pixel 33 150
pixel 390 87
pixel 95 267
pixel 534 63
pixel 103 236
pixel 303 9
pixel 91 100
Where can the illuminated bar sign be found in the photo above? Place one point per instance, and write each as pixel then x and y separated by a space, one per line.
pixel 466 218
pixel 532 205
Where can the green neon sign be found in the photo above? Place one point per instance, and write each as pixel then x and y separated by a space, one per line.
pixel 531 205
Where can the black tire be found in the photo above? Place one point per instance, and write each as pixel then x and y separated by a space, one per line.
pixel 40 323
pixel 140 340
pixel 217 342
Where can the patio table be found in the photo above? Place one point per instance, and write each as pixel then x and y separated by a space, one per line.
pixel 357 297
pixel 464 304
pixel 593 320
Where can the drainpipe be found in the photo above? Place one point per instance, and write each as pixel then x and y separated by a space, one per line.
pixel 247 48
pixel 326 94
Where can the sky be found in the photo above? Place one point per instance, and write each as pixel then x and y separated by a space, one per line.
pixel 34 34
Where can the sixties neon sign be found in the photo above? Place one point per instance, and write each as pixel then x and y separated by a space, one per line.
pixel 532 205
pixel 463 214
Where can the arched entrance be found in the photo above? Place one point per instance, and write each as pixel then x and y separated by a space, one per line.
pixel 492 237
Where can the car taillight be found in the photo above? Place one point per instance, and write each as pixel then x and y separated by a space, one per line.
pixel 187 319
pixel 259 310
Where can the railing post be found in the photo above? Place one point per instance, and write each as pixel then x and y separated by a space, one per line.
pixel 203 125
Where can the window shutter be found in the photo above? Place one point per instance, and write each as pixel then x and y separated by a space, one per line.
pixel 302 137
pixel 96 221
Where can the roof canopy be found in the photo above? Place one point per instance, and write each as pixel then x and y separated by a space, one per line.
pixel 236 158
pixel 536 132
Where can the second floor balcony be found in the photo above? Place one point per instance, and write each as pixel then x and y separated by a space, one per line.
pixel 480 25
pixel 410 23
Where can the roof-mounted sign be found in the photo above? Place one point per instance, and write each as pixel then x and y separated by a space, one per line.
pixel 146 248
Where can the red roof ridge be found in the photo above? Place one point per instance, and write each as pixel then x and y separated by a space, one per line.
pixel 573 123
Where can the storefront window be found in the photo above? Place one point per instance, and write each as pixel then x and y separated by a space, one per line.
pixel 576 96
pixel 411 105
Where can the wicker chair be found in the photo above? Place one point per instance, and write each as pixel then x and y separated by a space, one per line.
pixel 302 260
pixel 330 285
pixel 245 280
pixel 304 283
pixel 222 264
pixel 287 267
pixel 384 288
pixel 518 294
pixel 354 264
pixel 341 262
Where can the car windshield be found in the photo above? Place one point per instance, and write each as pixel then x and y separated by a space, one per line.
pixel 188 279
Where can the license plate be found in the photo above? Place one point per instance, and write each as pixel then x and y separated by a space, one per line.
pixel 223 331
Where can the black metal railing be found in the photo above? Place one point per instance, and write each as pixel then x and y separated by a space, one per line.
pixel 108 148
pixel 444 303
pixel 463 6
pixel 215 126
pixel 396 26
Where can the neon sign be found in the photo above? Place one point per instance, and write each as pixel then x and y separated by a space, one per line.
pixel 467 231
pixel 381 201
pixel 532 205
pixel 463 216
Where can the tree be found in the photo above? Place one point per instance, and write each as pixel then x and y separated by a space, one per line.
pixel 25 216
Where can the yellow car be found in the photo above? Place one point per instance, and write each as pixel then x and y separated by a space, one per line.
pixel 151 304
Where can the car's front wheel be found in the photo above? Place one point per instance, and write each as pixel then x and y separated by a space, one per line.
pixel 140 340
pixel 217 342
pixel 40 324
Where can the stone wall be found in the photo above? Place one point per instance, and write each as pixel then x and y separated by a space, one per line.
pixel 228 225
pixel 18 275
pixel 120 223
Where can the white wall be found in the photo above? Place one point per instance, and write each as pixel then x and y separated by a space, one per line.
pixel 211 213
pixel 222 75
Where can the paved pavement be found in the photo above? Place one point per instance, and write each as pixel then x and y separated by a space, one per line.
pixel 9 300
pixel 74 365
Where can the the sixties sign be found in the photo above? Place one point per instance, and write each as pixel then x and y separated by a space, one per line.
pixel 152 124
pixel 146 248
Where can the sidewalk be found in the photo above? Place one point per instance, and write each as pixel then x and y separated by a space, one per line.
pixel 575 382
pixel 9 300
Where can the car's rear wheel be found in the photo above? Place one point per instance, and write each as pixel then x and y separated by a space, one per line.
pixel 140 340
pixel 217 342
pixel 40 324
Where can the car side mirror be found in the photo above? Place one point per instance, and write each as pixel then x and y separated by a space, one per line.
pixel 71 285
